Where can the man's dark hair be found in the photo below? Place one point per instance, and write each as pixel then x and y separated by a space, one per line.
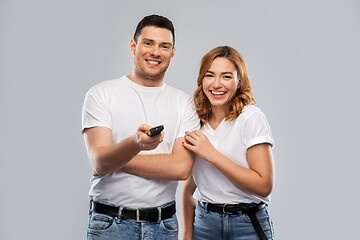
pixel 157 21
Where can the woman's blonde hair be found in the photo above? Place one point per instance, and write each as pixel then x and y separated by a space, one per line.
pixel 243 95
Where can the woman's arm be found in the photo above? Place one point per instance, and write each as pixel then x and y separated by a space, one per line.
pixel 188 208
pixel 259 179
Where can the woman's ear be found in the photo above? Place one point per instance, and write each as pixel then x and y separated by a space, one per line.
pixel 238 84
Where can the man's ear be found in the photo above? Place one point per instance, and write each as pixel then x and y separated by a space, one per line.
pixel 173 53
pixel 132 46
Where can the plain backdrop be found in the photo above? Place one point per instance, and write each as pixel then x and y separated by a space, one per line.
pixel 303 61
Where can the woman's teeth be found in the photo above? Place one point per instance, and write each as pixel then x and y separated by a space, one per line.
pixel 218 93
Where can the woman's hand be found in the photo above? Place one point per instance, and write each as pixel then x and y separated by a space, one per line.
pixel 198 143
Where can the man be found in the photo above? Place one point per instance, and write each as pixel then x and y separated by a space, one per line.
pixel 135 175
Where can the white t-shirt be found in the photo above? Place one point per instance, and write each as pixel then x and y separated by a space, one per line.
pixel 231 138
pixel 123 106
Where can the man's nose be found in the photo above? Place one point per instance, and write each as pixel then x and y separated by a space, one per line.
pixel 155 51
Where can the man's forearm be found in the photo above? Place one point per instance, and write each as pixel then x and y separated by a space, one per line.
pixel 174 166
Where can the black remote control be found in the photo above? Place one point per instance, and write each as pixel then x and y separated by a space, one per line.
pixel 155 130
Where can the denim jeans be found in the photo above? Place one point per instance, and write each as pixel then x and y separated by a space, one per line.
pixel 105 227
pixel 212 225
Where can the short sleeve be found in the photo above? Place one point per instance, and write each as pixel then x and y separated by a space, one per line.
pixel 257 130
pixel 190 120
pixel 95 111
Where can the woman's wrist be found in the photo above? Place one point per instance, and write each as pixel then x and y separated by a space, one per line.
pixel 214 156
pixel 187 234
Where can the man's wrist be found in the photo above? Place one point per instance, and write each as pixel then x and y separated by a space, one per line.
pixel 136 139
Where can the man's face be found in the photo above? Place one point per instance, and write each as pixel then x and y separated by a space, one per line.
pixel 152 52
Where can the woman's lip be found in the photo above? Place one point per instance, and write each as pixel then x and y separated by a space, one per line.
pixel 222 93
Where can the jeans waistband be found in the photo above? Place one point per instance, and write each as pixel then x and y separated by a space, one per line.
pixel 140 215
pixel 233 208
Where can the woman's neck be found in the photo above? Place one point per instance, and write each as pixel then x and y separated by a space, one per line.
pixel 216 117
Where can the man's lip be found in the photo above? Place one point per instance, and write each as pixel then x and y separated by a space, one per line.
pixel 150 61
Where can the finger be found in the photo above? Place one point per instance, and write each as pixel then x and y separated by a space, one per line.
pixel 190 140
pixel 144 127
pixel 188 146
pixel 197 133
pixel 157 138
pixel 191 135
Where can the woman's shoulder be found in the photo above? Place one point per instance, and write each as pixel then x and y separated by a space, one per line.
pixel 249 110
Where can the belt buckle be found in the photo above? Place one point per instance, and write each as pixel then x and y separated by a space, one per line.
pixel 224 209
pixel 138 217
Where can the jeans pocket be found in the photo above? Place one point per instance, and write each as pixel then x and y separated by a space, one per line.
pixel 170 224
pixel 100 222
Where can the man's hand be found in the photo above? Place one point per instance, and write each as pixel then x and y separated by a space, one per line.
pixel 145 142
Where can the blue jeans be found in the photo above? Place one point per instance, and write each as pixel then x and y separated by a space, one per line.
pixel 212 225
pixel 105 227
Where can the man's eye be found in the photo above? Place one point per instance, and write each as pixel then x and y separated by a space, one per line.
pixel 165 47
pixel 147 43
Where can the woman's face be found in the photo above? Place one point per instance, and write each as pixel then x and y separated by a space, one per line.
pixel 220 83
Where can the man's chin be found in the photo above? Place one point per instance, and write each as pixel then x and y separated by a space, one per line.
pixel 154 77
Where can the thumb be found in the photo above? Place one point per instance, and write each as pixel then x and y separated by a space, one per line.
pixel 144 127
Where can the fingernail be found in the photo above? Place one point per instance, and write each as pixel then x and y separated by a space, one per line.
pixel 182 142
pixel 185 132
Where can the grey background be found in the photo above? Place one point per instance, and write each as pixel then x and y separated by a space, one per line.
pixel 303 63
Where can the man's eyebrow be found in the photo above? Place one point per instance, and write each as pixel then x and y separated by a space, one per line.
pixel 147 39
pixel 151 40
pixel 167 43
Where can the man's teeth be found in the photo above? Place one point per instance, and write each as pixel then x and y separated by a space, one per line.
pixel 153 62
pixel 218 93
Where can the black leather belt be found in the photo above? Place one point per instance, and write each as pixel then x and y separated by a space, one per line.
pixel 140 215
pixel 235 209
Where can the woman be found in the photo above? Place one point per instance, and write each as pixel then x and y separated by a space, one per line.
pixel 233 173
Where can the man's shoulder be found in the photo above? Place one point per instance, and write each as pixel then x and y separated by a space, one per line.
pixel 107 85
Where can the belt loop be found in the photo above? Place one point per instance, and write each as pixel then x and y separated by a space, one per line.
pixel 159 214
pixel 90 206
pixel 206 207
pixel 119 214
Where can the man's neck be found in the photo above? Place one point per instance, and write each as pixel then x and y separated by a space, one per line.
pixel 146 82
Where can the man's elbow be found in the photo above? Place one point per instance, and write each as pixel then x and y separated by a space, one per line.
pixel 98 168
pixel 99 164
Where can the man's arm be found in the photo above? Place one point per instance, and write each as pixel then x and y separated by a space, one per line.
pixel 106 157
pixel 174 166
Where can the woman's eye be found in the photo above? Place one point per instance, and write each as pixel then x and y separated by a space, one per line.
pixel 208 75
pixel 227 77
